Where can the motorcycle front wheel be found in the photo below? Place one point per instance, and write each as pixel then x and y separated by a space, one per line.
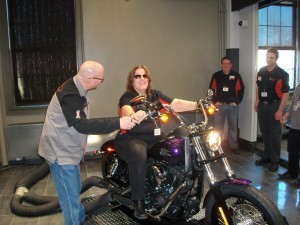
pixel 246 205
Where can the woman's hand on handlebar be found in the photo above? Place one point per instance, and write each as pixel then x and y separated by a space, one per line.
pixel 126 123
pixel 138 116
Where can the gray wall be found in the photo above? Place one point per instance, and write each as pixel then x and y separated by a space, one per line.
pixel 176 39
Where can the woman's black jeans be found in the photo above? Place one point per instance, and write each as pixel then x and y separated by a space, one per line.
pixel 134 151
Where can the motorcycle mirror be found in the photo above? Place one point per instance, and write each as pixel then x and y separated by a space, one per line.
pixel 167 107
pixel 137 99
pixel 157 105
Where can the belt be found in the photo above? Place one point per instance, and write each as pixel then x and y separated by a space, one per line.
pixel 268 102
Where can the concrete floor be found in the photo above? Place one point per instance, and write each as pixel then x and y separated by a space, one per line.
pixel 283 193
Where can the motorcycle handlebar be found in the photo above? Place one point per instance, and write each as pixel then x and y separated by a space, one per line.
pixel 143 118
pixel 154 108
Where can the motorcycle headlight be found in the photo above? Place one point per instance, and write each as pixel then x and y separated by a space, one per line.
pixel 213 141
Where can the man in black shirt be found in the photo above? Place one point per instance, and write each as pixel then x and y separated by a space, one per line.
pixel 228 90
pixel 272 92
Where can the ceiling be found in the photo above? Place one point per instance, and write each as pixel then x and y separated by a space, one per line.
pixel 236 5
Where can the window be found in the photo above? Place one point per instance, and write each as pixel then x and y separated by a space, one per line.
pixel 276 29
pixel 44 42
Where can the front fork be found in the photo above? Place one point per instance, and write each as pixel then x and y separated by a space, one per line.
pixel 216 188
pixel 222 206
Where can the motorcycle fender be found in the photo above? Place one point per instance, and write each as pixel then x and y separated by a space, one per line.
pixel 108 147
pixel 235 181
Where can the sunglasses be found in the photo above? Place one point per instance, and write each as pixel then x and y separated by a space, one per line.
pixel 137 76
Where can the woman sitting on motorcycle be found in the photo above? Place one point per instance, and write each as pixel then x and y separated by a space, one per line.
pixel 132 145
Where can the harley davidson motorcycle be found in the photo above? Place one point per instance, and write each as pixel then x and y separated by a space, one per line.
pixel 178 169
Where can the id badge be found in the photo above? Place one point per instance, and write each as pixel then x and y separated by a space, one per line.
pixel 264 94
pixel 157 132
pixel 225 89
pixel 231 77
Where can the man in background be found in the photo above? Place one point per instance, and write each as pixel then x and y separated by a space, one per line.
pixel 293 142
pixel 272 91
pixel 228 88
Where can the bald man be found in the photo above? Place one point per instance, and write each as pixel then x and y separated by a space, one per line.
pixel 64 136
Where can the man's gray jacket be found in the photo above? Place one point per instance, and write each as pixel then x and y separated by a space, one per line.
pixel 64 134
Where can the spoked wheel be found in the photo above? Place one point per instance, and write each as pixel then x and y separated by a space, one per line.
pixel 247 205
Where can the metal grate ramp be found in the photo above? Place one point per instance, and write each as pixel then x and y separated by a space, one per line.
pixel 106 216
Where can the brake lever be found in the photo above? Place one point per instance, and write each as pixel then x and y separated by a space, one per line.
pixel 150 114
pixel 143 118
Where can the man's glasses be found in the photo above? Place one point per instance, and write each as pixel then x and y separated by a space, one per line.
pixel 137 76
pixel 96 78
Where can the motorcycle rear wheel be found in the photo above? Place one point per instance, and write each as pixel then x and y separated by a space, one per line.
pixel 247 205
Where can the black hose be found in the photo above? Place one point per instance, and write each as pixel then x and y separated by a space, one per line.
pixel 90 182
pixel 99 201
pixel 45 205
pixel 34 176
pixel 35 199
pixel 38 210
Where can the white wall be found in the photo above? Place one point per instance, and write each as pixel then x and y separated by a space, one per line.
pixel 248 64
pixel 245 38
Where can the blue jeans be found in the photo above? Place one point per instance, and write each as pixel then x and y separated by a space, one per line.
pixel 67 183
pixel 231 113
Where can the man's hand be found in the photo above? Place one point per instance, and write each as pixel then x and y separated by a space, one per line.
pixel 284 118
pixel 218 103
pixel 278 115
pixel 255 106
pixel 126 123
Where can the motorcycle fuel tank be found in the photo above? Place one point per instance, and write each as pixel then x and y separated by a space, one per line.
pixel 170 151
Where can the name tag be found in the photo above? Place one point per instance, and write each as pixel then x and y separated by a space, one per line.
pixel 157 132
pixel 225 89
pixel 231 77
pixel 264 94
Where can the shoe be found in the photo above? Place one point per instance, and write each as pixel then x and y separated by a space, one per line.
pixel 236 151
pixel 273 167
pixel 262 161
pixel 139 210
pixel 287 175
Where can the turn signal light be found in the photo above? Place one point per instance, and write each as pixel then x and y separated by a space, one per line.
pixel 164 118
pixel 109 149
pixel 211 110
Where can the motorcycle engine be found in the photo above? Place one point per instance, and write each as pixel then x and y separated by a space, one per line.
pixel 161 182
